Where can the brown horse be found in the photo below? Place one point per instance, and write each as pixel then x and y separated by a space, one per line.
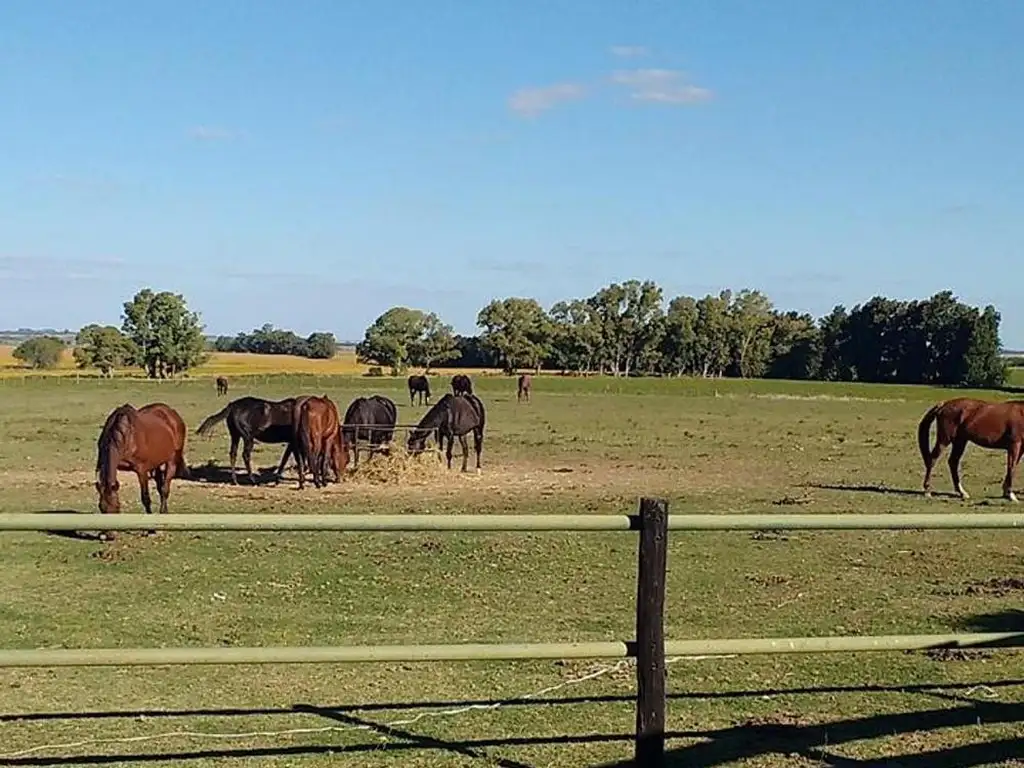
pixel 964 420
pixel 525 382
pixel 318 440
pixel 149 440
pixel 222 386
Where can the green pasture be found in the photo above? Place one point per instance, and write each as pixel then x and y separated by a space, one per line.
pixel 582 446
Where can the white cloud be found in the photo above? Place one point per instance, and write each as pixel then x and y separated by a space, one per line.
pixel 662 86
pixel 629 51
pixel 211 133
pixel 530 102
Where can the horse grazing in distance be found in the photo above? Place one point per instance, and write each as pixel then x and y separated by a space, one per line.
pixel 222 386
pixel 250 419
pixel 372 419
pixel 418 384
pixel 452 417
pixel 523 388
pixel 318 440
pixel 964 420
pixel 148 440
pixel 461 384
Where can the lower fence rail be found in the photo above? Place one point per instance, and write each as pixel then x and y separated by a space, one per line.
pixel 343 654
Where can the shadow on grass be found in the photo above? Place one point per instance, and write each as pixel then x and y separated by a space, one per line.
pixel 216 475
pixel 91 536
pixel 714 747
pixel 1010 620
pixel 879 489
pixel 815 742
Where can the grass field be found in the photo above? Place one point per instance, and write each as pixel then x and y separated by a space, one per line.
pixel 582 446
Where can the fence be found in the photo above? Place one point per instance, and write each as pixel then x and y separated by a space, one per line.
pixel 649 647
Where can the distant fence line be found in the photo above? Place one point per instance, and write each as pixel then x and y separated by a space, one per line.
pixel 649 646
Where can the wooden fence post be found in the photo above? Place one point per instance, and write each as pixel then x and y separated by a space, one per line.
pixel 650 634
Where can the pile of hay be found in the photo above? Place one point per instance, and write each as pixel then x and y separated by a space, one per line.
pixel 400 468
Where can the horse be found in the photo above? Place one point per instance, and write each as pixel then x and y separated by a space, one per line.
pixel 148 440
pixel 251 419
pixel 222 386
pixel 525 382
pixel 318 439
pixel 369 418
pixel 966 419
pixel 418 384
pixel 451 417
pixel 461 384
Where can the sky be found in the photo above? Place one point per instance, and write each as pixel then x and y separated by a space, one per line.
pixel 312 163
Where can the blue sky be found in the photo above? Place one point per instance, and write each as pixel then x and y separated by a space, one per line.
pixel 315 162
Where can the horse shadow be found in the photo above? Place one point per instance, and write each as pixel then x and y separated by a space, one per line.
pixel 214 474
pixel 74 535
pixel 879 489
pixel 1010 620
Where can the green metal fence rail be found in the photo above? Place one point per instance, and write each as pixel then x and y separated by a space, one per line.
pixel 649 648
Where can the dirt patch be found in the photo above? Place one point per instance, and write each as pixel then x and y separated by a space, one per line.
pixel 994 587
pixel 955 654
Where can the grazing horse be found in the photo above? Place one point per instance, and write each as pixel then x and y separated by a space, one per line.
pixel 147 441
pixel 222 386
pixel 452 417
pixel 318 439
pixel 525 382
pixel 461 384
pixel 418 384
pixel 250 419
pixel 965 419
pixel 371 419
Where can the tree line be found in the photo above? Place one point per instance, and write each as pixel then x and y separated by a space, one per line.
pixel 627 329
pixel 624 329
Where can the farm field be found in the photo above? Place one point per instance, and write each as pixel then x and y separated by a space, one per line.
pixel 586 446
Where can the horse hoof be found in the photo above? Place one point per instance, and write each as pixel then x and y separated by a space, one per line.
pixel 1011 496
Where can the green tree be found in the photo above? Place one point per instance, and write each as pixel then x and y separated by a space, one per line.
pixel 711 348
pixel 321 346
pixel 167 336
pixel 103 347
pixel 751 318
pixel 517 331
pixel 643 325
pixel 983 364
pixel 435 343
pixel 391 339
pixel 836 354
pixel 679 341
pixel 575 336
pixel 40 351
pixel 795 351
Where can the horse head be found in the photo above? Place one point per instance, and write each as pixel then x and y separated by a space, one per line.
pixel 109 498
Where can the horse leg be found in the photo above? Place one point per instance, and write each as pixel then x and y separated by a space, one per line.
pixel 247 458
pixel 959 446
pixel 1013 454
pixel 478 445
pixel 929 465
pixel 233 453
pixel 448 450
pixel 465 452
pixel 301 468
pixel 147 502
pixel 284 460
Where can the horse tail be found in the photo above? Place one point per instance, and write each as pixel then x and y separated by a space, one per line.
pixel 924 430
pixel 213 421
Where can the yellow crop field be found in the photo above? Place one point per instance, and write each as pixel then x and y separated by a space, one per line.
pixel 223 364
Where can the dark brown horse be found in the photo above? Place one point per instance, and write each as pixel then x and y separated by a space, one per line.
pixel 252 419
pixel 451 417
pixel 461 384
pixel 147 441
pixel 525 383
pixel 964 420
pixel 318 440
pixel 371 419
pixel 222 386
pixel 418 384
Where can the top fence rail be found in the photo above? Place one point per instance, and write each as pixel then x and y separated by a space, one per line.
pixel 416 522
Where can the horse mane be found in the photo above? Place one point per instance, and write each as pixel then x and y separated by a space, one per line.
pixel 113 439
pixel 432 419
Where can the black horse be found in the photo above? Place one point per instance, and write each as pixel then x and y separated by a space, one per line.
pixel 371 419
pixel 452 417
pixel 461 384
pixel 253 418
pixel 418 384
